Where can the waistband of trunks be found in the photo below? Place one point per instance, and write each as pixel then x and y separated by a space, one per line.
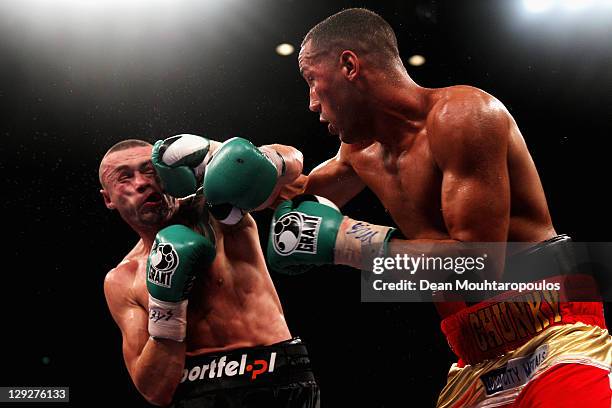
pixel 553 257
pixel 281 363
pixel 490 329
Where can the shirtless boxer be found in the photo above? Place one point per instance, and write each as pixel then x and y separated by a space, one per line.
pixel 201 321
pixel 450 165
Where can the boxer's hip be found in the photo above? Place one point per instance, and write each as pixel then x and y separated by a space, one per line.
pixel 499 325
pixel 275 375
pixel 499 381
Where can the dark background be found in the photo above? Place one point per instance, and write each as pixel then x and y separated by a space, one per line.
pixel 75 82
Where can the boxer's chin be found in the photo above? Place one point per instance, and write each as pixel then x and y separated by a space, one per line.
pixel 153 218
pixel 155 215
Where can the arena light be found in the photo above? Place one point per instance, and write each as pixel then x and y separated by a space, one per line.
pixel 538 6
pixel 285 49
pixel 100 18
pixel 416 60
pixel 576 5
pixel 105 34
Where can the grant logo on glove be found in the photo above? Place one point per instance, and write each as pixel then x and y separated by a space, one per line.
pixel 296 232
pixel 163 262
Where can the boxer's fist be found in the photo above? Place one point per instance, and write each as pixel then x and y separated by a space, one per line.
pixel 310 230
pixel 180 162
pixel 303 232
pixel 239 178
pixel 177 255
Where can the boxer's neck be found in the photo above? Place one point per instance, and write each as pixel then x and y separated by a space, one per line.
pixel 398 108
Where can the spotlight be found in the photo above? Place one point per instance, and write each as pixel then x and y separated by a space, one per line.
pixel 575 5
pixel 416 60
pixel 538 6
pixel 284 49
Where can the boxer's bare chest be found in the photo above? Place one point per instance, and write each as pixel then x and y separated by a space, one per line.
pixel 407 181
pixel 139 285
pixel 209 282
pixel 216 286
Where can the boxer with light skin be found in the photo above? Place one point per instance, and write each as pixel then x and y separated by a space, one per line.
pixel 232 303
pixel 450 165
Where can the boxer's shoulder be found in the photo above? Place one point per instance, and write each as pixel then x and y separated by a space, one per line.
pixel 126 267
pixel 134 260
pixel 122 275
pixel 465 122
pixel 119 282
pixel 462 111
pixel 462 102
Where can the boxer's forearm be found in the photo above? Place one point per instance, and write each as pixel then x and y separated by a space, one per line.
pixel 158 370
pixel 290 181
pixel 293 162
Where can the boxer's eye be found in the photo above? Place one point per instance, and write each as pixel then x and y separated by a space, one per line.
pixel 123 177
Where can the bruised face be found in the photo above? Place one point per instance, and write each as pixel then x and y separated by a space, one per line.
pixel 331 94
pixel 131 187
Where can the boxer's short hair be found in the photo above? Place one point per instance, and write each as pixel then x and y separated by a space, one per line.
pixel 126 144
pixel 356 28
pixel 122 145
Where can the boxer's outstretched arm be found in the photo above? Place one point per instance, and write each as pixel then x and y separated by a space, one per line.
pixel 469 141
pixel 155 366
pixel 335 179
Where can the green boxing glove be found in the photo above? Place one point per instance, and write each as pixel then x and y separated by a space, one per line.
pixel 177 255
pixel 239 178
pixel 180 162
pixel 310 230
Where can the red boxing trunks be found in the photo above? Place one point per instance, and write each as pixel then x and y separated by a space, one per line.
pixel 519 348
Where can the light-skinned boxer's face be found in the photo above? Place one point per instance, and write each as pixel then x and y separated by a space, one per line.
pixel 331 94
pixel 131 187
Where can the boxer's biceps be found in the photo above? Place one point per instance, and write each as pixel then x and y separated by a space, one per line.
pixel 476 208
pixel 134 330
pixel 130 317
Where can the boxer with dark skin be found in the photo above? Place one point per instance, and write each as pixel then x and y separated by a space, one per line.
pixel 233 304
pixel 450 165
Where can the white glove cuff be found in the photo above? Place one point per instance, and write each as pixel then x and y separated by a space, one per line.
pixel 357 240
pixel 167 320
pixel 234 217
pixel 186 145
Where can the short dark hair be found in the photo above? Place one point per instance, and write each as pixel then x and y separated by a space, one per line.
pixel 357 28
pixel 122 145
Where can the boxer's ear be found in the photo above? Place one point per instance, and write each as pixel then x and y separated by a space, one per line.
pixel 107 200
pixel 349 64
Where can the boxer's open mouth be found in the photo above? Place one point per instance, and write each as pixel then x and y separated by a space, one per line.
pixel 153 199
